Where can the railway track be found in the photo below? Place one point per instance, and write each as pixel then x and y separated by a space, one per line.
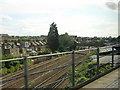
pixel 30 68
pixel 59 75
pixel 57 84
pixel 43 78
pixel 40 66
pixel 52 77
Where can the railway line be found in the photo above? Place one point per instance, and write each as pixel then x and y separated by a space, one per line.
pixel 63 72
pixel 43 78
pixel 31 69
pixel 59 75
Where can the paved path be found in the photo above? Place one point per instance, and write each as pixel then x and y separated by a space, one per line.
pixel 107 49
pixel 107 59
pixel 108 81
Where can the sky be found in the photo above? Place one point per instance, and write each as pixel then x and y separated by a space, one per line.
pixel 85 18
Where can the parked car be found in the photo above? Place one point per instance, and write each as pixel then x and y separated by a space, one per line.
pixel 33 53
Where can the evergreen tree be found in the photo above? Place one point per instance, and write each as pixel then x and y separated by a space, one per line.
pixel 53 37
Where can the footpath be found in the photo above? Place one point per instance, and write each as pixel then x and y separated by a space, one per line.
pixel 110 80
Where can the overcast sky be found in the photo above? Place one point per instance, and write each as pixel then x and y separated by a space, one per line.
pixel 77 17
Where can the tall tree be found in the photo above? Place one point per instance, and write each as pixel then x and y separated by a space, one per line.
pixel 53 37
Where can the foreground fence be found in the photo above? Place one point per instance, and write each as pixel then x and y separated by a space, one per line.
pixel 73 65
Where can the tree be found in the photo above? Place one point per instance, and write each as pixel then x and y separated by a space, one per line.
pixel 67 42
pixel 118 38
pixel 53 37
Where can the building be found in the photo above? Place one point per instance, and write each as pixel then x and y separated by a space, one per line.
pixel 4 36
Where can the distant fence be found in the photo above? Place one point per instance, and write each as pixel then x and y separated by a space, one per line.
pixel 26 74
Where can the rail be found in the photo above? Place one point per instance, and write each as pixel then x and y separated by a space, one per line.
pixel 26 74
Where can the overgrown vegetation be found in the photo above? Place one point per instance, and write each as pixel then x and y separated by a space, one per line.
pixel 9 56
pixel 46 51
pixel 12 66
pixel 85 72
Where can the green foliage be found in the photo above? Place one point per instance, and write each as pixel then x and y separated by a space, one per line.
pixel 4 71
pixel 67 87
pixel 104 68
pixel 16 63
pixel 66 43
pixel 3 65
pixel 81 80
pixel 82 76
pixel 17 67
pixel 113 40
pixel 86 66
pixel 11 69
pixel 118 38
pixel 30 62
pixel 88 56
pixel 9 64
pixel 46 51
pixel 7 56
pixel 53 37
pixel 12 66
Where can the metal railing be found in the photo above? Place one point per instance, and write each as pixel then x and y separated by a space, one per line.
pixel 26 74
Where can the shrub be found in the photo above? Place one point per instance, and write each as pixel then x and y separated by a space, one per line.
pixel 7 56
pixel 81 80
pixel 4 71
pixel 46 51
pixel 30 62
pixel 11 69
pixel 11 66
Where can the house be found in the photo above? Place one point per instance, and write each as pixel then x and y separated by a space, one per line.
pixel 10 48
pixel 4 36
pixel 18 48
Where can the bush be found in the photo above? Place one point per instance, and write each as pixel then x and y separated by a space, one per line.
pixel 11 69
pixel 4 71
pixel 16 63
pixel 46 51
pixel 11 66
pixel 30 62
pixel 17 67
pixel 84 76
pixel 3 65
pixel 7 56
pixel 81 80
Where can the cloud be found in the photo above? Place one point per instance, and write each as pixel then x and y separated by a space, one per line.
pixel 54 10
pixel 112 5
pixel 42 6
pixel 75 25
pixel 5 17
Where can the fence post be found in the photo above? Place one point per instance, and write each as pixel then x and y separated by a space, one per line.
pixel 97 60
pixel 112 57
pixel 25 72
pixel 73 69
